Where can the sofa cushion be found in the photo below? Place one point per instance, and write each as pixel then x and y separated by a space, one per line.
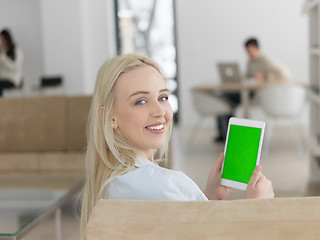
pixel 19 162
pixel 32 124
pixel 60 161
pixel 38 180
pixel 241 219
pixel 77 116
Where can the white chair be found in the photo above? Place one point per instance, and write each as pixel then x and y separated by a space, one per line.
pixel 282 102
pixel 207 104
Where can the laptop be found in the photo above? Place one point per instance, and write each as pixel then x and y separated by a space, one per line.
pixel 229 72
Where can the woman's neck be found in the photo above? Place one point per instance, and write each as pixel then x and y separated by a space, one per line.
pixel 149 154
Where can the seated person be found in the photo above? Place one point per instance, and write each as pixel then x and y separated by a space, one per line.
pixel 129 123
pixel 260 67
pixel 263 68
pixel 10 62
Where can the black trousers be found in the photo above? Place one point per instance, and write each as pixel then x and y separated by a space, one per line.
pixel 5 84
pixel 223 120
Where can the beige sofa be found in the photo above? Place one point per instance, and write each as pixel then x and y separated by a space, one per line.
pixel 43 135
pixel 296 218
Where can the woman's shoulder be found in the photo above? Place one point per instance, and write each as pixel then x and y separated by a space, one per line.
pixel 147 169
pixel 154 182
pixel 149 174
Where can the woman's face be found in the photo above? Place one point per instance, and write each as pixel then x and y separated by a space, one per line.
pixel 142 112
pixel 3 42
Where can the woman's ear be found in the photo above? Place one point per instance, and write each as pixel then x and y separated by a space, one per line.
pixel 101 111
pixel 114 124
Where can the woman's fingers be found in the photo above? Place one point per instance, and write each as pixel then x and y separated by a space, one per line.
pixel 259 186
pixel 218 165
pixel 255 176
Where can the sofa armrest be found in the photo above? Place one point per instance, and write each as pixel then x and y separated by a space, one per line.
pixel 240 219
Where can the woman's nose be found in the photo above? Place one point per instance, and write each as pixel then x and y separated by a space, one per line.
pixel 157 110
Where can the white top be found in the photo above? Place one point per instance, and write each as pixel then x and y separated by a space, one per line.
pixel 11 69
pixel 148 181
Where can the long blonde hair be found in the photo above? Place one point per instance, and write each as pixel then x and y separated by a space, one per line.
pixel 108 155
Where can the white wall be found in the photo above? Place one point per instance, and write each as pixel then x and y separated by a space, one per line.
pixel 62 42
pixel 211 30
pixel 98 38
pixel 23 20
pixel 77 39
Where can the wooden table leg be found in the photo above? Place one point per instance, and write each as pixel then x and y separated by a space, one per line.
pixel 245 103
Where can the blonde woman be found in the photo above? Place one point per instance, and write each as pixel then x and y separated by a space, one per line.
pixel 130 121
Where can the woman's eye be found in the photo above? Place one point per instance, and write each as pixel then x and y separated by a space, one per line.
pixel 140 102
pixel 163 98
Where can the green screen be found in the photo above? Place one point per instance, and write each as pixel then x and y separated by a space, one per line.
pixel 241 154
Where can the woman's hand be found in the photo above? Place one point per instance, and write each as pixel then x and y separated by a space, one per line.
pixel 214 190
pixel 259 186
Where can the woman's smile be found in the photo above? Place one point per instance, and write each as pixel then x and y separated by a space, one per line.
pixel 157 128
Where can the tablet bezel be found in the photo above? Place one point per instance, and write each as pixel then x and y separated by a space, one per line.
pixel 245 123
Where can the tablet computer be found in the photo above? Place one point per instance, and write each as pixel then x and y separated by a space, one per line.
pixel 242 152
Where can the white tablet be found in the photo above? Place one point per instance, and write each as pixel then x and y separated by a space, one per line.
pixel 242 152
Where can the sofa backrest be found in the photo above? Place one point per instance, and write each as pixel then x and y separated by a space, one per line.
pixel 41 124
pixel 32 124
pixel 76 124
pixel 295 218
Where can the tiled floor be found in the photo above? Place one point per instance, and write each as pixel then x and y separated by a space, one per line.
pixel 288 172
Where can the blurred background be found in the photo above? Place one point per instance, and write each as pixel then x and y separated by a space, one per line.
pixel 186 38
